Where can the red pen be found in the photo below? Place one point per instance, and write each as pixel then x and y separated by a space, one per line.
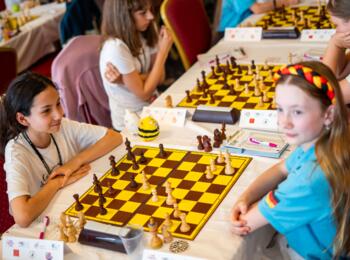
pixel 46 222
pixel 255 141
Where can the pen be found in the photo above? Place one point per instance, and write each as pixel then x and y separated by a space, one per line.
pixel 255 141
pixel 43 228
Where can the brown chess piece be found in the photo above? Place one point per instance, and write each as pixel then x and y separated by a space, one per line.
pixel 162 152
pixel 217 138
pixel 115 171
pixel 188 96
pixel 78 205
pixel 200 143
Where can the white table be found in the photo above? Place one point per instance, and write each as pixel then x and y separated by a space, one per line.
pixel 37 37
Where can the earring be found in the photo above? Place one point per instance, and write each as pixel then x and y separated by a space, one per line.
pixel 328 127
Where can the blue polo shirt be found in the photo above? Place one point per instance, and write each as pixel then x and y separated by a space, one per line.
pixel 300 208
pixel 234 12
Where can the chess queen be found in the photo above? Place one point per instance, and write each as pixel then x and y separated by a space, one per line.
pixel 36 138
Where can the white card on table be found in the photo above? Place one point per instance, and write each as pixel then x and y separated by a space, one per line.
pixel 316 35
pixel 259 119
pixel 20 248
pixel 244 34
pixel 167 116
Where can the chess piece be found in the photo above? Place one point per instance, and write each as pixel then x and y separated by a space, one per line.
pixel 63 219
pixel 246 89
pixel 115 171
pixel 205 83
pixel 232 90
pixel 145 183
pixel 218 68
pixel 78 205
pixel 229 170
pixel 162 152
pixel 260 102
pixel 154 195
pixel 103 210
pixel 188 99
pixel 205 93
pixel 168 102
pixel 223 130
pixel 265 97
pixel 212 165
pixel 207 144
pixel 233 62
pixel 200 143
pixel 135 166
pixel 250 71
pixel 213 74
pixel 82 220
pixel 177 211
pixel 129 154
pixel 142 159
pixel 199 87
pixel 170 200
pixel 127 144
pixel 217 138
pixel 184 226
pixel 266 66
pixel 101 198
pixel 98 188
pixel 71 232
pixel 228 69
pixel 156 242
pixel 63 236
pixel 257 91
pixel 133 183
pixel 237 83
pixel 209 175
pixel 167 237
pixel 167 221
pixel 212 98
pixel 262 86
pixel 273 103
pixel 111 191
pixel 220 158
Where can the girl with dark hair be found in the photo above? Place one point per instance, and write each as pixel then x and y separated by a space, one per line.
pixel 43 150
pixel 305 197
pixel 337 57
pixel 134 48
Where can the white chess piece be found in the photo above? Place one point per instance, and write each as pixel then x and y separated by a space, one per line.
pixel 131 121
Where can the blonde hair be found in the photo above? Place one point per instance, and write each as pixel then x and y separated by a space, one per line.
pixel 118 22
pixel 332 151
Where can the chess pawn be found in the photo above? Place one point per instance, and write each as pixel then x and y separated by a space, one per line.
pixel 246 89
pixel 82 220
pixel 154 195
pixel 265 97
pixel 167 221
pixel 145 183
pixel 229 170
pixel 63 236
pixel 273 103
pixel 220 158
pixel 177 211
pixel 257 92
pixel 168 102
pixel 260 103
pixel 184 226
pixel 156 242
pixel 167 237
pixel 262 86
pixel 250 72
pixel 212 165
pixel 170 200
pixel 209 175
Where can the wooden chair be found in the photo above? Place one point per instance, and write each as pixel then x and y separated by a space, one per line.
pixel 8 67
pixel 190 26
pixel 6 219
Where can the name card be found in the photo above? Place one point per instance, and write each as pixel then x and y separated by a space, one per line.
pixel 166 116
pixel 259 119
pixel 248 34
pixel 317 35
pixel 149 254
pixel 20 248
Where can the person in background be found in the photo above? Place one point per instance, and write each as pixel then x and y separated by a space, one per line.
pixel 337 56
pixel 305 197
pixel 137 51
pixel 44 151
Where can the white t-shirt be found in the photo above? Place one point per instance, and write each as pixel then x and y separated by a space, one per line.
pixel 120 97
pixel 25 171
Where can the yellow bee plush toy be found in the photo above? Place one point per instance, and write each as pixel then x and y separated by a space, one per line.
pixel 148 128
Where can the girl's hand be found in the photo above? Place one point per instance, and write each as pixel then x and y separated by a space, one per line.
pixel 78 174
pixel 112 74
pixel 341 40
pixel 165 39
pixel 239 226
pixel 66 170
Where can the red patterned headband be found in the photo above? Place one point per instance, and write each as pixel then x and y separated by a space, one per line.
pixel 310 76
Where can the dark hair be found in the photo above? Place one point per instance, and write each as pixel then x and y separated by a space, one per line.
pixel 19 97
pixel 339 8
pixel 118 22
pixel 332 150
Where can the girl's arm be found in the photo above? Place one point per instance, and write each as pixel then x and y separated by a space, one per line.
pixel 335 56
pixel 25 208
pixel 107 143
pixel 145 89
pixel 263 184
pixel 258 8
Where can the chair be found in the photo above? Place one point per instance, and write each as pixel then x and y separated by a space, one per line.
pixel 6 219
pixel 8 67
pixel 188 22
pixel 75 71
pixel 2 5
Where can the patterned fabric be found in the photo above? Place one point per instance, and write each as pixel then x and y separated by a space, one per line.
pixel 310 76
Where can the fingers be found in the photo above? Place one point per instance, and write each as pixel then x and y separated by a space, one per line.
pixel 241 231
pixel 112 74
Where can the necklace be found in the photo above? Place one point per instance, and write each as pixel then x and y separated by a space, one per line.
pixel 25 135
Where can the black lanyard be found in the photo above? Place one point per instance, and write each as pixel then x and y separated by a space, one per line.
pixel 38 153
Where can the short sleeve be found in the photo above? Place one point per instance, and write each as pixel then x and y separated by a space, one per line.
pixel 118 53
pixel 297 201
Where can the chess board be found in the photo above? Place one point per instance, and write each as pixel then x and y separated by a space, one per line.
pixel 275 18
pixel 240 100
pixel 197 196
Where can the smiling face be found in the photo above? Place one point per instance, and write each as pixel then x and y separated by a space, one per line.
pixel 341 24
pixel 300 116
pixel 45 114
pixel 143 18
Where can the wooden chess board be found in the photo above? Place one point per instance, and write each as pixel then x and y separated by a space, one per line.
pixel 197 196
pixel 275 18
pixel 240 100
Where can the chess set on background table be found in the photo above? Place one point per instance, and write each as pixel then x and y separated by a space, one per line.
pixel 239 86
pixel 160 185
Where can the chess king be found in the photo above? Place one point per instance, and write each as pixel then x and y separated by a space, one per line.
pixel 148 128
